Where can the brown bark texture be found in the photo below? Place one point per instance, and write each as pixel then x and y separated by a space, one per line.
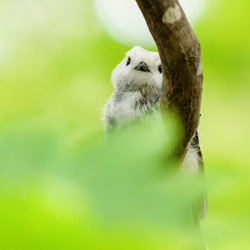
pixel 179 51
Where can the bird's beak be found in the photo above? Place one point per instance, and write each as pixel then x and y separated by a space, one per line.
pixel 142 66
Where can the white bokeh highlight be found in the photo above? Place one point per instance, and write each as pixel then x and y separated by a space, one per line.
pixel 123 20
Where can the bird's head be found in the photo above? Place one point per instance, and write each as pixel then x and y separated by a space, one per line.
pixel 139 67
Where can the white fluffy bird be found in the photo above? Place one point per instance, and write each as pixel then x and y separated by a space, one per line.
pixel 137 82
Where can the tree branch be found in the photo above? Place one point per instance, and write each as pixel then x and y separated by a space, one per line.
pixel 179 51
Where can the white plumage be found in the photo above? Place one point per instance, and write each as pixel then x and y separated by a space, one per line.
pixel 137 82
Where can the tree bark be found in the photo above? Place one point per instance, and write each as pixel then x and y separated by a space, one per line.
pixel 179 51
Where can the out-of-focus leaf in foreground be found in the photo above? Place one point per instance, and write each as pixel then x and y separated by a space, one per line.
pixel 121 194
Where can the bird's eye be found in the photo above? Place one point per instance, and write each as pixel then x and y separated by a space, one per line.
pixel 160 69
pixel 128 61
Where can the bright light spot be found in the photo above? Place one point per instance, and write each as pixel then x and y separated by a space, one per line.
pixel 194 9
pixel 123 20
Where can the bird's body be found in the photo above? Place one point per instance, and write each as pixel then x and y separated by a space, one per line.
pixel 137 82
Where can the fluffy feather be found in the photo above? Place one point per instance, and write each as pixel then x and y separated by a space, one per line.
pixel 137 83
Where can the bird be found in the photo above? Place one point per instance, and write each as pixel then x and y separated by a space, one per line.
pixel 137 82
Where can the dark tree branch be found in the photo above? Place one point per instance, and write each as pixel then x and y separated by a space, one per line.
pixel 179 50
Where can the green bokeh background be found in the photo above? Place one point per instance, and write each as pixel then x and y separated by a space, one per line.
pixel 60 187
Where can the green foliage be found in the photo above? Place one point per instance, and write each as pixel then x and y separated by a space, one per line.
pixel 63 187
